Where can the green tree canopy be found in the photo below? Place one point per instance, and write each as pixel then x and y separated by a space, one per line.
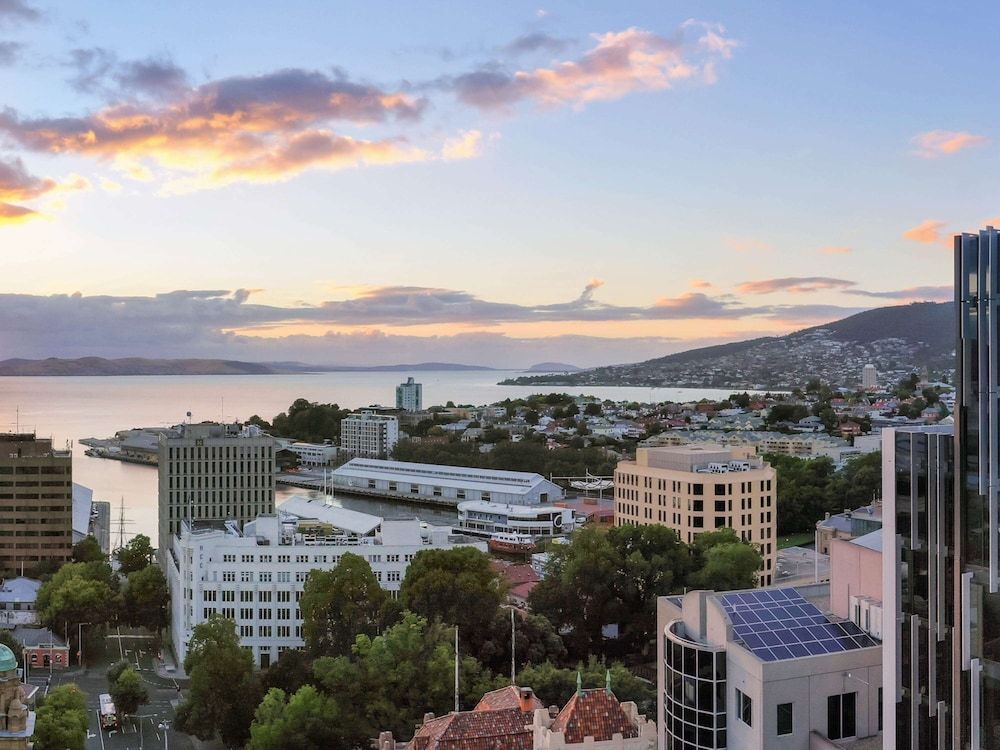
pixel 88 549
pixel 222 692
pixel 555 685
pixel 146 599
pixel 309 421
pixel 340 604
pixel 77 593
pixel 306 720
pixel 128 692
pixel 61 720
pixel 135 555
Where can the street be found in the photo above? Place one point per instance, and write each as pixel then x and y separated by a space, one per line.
pixel 141 731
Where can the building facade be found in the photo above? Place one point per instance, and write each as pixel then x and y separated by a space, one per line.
pixel 256 576
pixel 869 377
pixel 919 583
pixel 701 487
pixel 764 669
pixel 36 503
pixel 213 472
pixel 368 434
pixel 410 396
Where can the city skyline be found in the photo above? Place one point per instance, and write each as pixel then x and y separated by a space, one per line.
pixel 525 183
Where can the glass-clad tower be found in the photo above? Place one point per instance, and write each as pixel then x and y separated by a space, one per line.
pixel 976 673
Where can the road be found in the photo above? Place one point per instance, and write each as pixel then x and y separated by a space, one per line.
pixel 137 733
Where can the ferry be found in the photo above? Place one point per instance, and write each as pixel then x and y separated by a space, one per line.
pixel 518 544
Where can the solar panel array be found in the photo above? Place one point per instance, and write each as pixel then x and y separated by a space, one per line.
pixel 778 624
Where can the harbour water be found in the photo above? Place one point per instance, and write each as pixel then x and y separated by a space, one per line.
pixel 70 408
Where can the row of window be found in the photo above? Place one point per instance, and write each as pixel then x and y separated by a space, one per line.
pixel 841 714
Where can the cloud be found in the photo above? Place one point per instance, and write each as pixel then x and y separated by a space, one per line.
pixel 248 128
pixel 935 143
pixel 794 285
pixel 17 185
pixel 153 76
pixel 9 53
pixel 17 11
pixel 90 68
pixel 11 214
pixel 536 41
pixel 836 250
pixel 748 245
pixel 914 293
pixel 700 284
pixel 927 232
pixel 467 145
pixel 620 63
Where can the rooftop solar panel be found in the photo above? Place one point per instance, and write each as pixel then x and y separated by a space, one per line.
pixel 777 624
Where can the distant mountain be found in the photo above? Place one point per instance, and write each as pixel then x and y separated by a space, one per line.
pixel 898 340
pixel 130 366
pixel 553 367
pixel 97 366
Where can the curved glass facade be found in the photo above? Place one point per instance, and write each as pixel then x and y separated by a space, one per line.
pixel 694 701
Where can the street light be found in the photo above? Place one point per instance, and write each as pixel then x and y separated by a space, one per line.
pixel 164 726
pixel 79 642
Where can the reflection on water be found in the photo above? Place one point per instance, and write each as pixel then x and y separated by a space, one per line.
pixel 67 409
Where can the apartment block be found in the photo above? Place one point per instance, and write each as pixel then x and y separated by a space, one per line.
pixel 213 472
pixel 698 488
pixel 36 503
pixel 369 434
pixel 410 396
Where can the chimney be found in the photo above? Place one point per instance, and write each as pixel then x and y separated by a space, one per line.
pixel 524 696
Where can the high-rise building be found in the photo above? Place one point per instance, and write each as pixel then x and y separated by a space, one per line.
pixel 869 377
pixel 369 434
pixel 944 656
pixel 410 396
pixel 36 503
pixel 213 472
pixel 701 487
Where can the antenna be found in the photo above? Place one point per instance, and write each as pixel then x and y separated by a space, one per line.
pixel 513 637
pixel 456 669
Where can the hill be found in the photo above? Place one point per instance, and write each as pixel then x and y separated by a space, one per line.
pixel 553 367
pixel 129 366
pixel 898 340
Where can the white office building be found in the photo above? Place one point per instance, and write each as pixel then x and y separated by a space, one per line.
pixel 869 378
pixel 484 518
pixel 410 396
pixel 256 576
pixel 369 434
pixel 314 454
pixel 446 485
pixel 213 472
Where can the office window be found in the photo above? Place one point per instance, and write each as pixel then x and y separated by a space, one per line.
pixel 840 716
pixel 744 708
pixel 784 718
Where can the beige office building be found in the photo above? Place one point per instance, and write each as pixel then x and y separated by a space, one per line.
pixel 214 472
pixel 36 503
pixel 701 487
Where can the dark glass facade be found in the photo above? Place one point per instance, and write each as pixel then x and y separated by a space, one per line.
pixel 694 700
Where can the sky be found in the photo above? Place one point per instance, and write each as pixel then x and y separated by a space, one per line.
pixel 500 184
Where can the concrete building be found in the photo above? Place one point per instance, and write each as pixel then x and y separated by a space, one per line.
pixel 410 396
pixel 314 454
pixel 869 378
pixel 36 503
pixel 17 601
pixel 485 518
pixel 213 472
pixel 256 575
pixel 848 525
pixel 447 485
pixel 368 434
pixel 856 582
pixel 701 487
pixel 763 669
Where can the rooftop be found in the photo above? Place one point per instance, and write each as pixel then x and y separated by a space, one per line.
pixel 593 713
pixel 318 509
pixel 446 476
pixel 19 590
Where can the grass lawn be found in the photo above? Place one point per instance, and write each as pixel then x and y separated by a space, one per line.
pixel 796 540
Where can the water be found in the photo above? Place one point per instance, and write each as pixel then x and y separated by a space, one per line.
pixel 70 408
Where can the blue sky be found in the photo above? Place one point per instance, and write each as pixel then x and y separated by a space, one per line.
pixel 727 169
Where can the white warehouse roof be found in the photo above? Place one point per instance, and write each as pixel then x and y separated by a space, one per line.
pixel 487 480
pixel 319 510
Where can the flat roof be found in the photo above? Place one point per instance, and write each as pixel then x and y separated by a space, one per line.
pixel 319 510
pixel 485 506
pixel 494 480
pixel 19 590
pixel 871 541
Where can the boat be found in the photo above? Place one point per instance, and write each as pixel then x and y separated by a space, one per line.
pixel 518 544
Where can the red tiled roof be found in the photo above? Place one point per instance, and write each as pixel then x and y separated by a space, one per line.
pixel 593 713
pixel 503 729
pixel 507 697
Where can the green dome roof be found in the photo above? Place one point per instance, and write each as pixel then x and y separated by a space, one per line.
pixel 8 661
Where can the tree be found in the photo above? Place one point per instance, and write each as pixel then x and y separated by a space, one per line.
pixel 115 671
pixel 292 670
pixel 340 604
pixel 77 593
pixel 556 686
pixel 88 549
pixel 135 555
pixel 531 417
pixel 222 692
pixel 457 586
pixel 726 562
pixel 309 421
pixel 592 409
pixel 61 720
pixel 307 720
pixel 128 692
pixel 146 599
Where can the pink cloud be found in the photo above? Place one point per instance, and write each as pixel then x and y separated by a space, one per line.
pixel 835 250
pixel 935 143
pixel 927 232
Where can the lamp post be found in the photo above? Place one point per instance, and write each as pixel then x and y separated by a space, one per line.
pixel 79 642
pixel 164 726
